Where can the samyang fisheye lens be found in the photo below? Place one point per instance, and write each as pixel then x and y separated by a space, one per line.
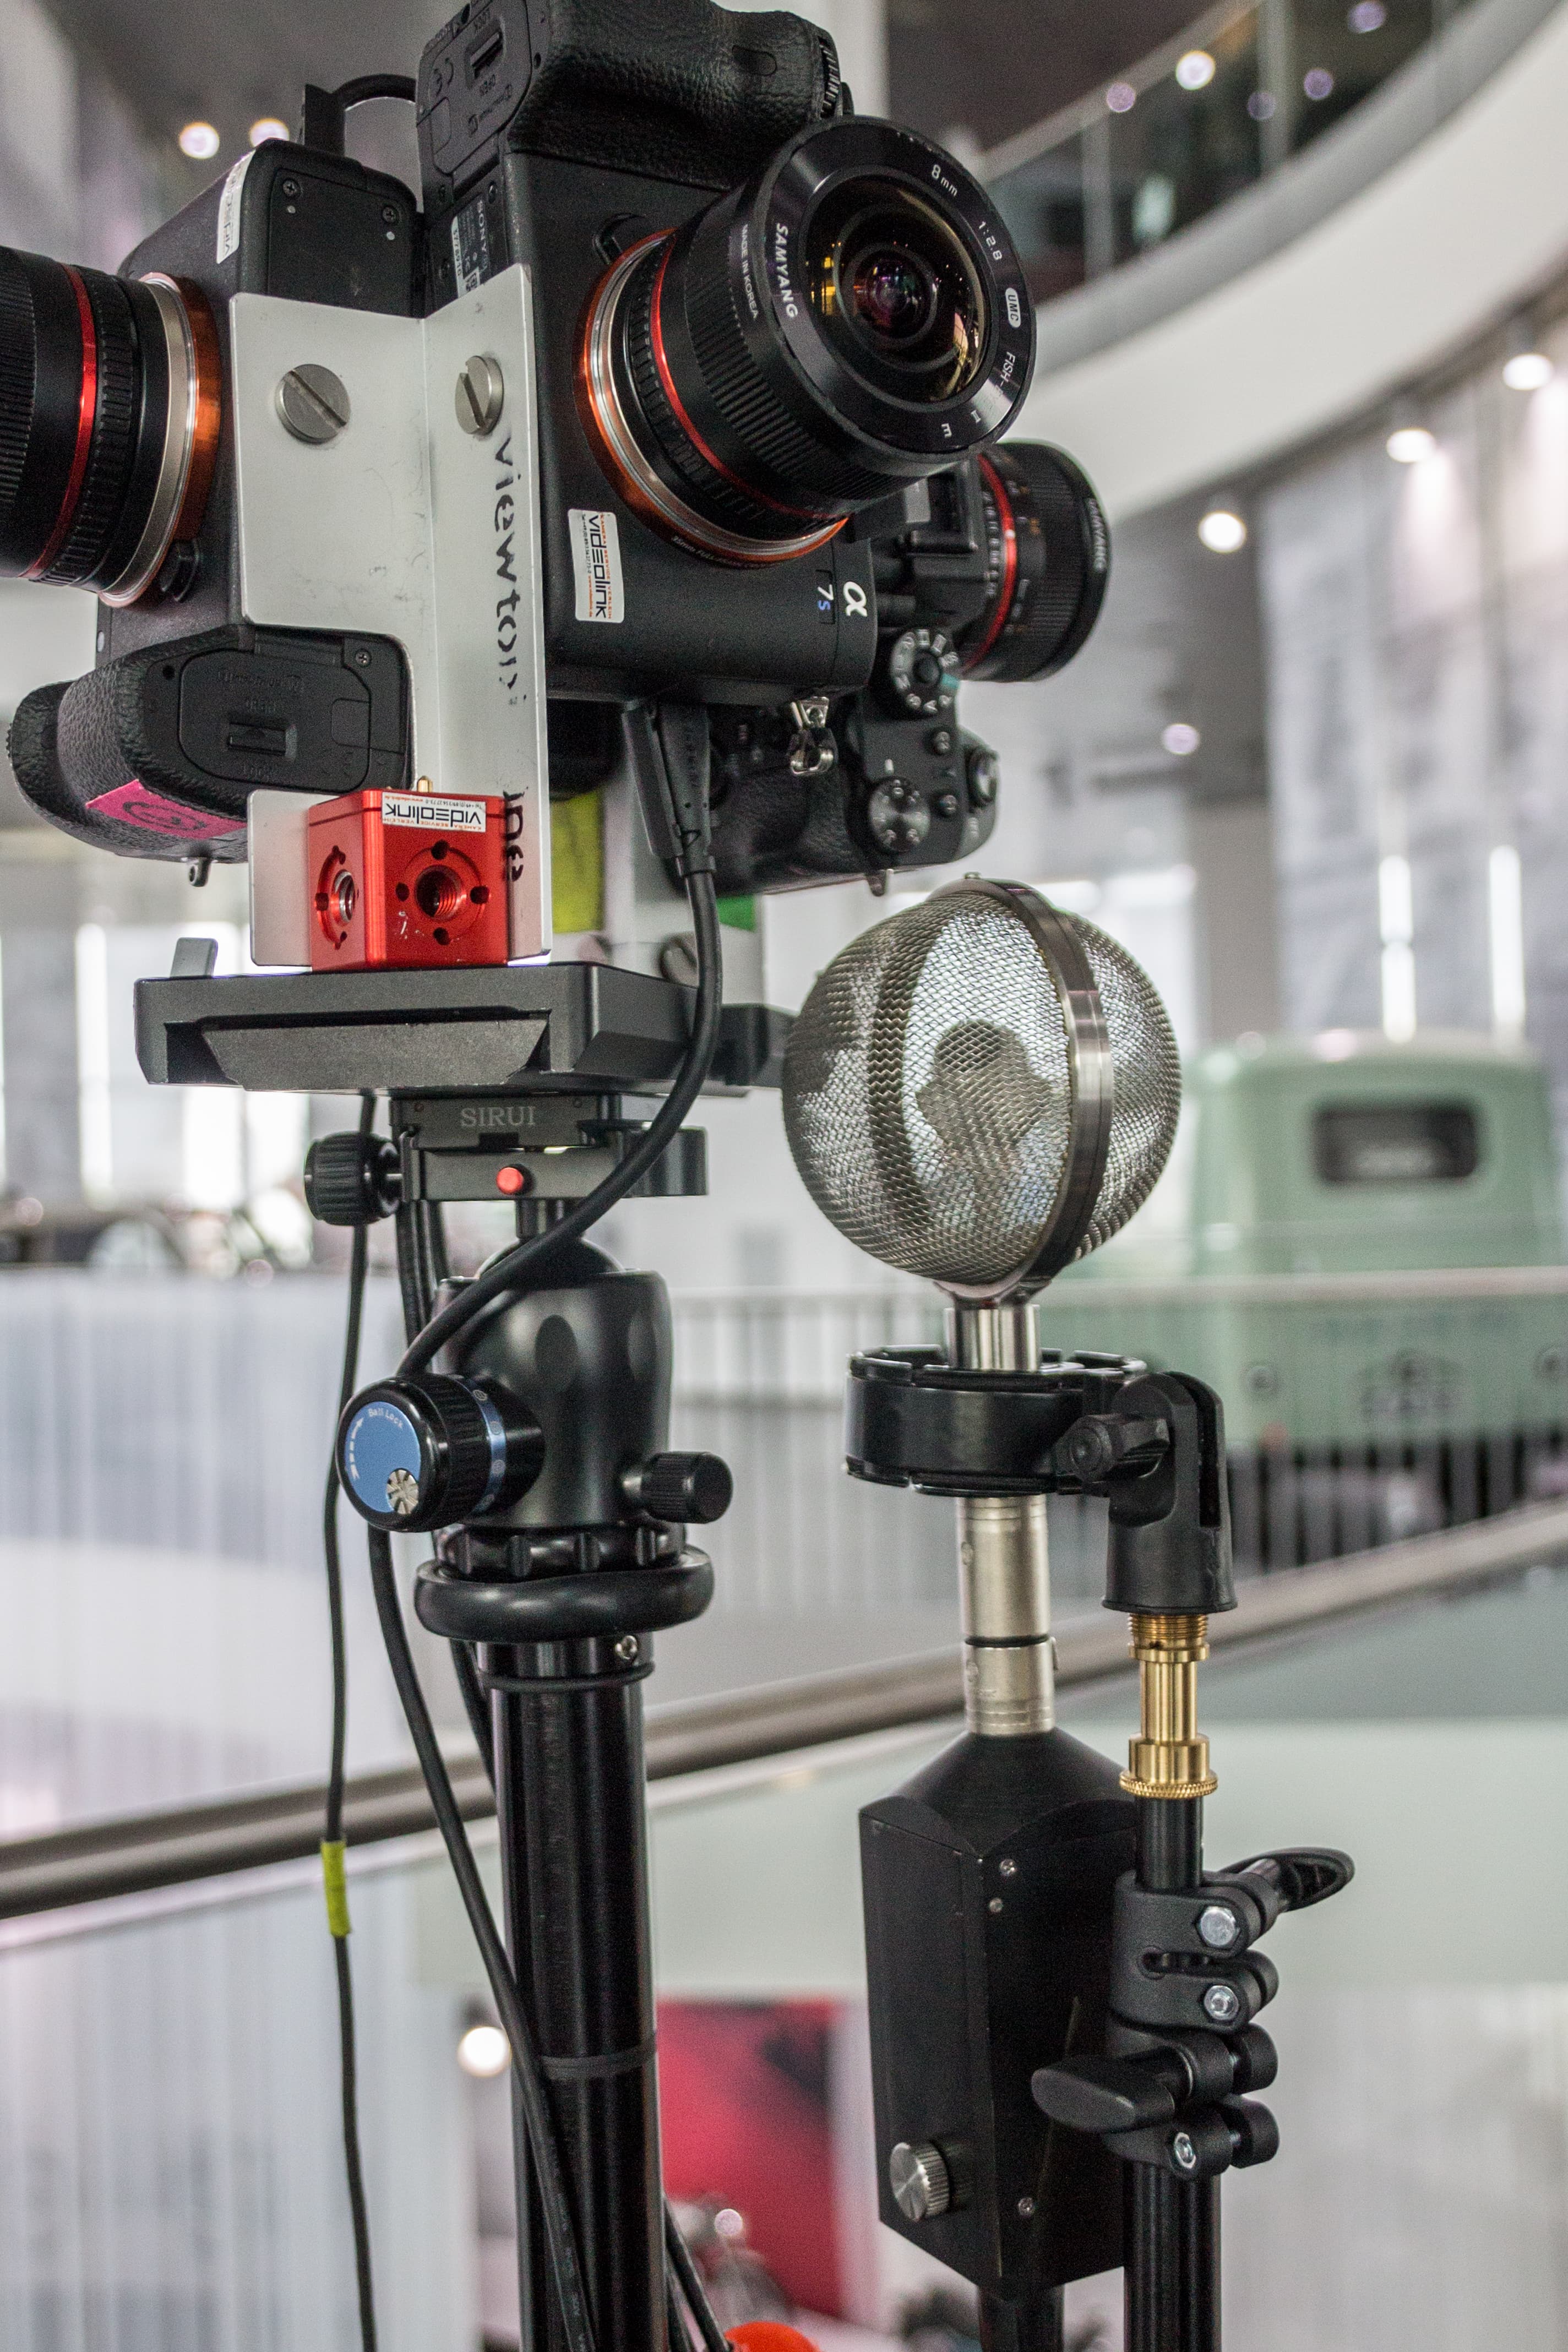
pixel 111 391
pixel 850 319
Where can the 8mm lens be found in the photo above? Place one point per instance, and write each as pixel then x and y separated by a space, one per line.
pixel 110 404
pixel 851 320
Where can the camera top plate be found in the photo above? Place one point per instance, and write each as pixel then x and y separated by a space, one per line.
pixel 507 1029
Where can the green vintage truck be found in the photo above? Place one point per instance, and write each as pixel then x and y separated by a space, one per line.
pixel 1360 1244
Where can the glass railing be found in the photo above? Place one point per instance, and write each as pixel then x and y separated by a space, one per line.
pixel 1194 123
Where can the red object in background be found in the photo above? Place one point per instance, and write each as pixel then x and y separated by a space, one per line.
pixel 769 2336
pixel 407 879
pixel 743 2096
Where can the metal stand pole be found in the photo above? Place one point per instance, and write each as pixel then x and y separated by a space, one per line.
pixel 1172 2231
pixel 569 1797
pixel 1005 2328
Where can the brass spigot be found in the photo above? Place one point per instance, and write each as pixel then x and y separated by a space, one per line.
pixel 1170 1758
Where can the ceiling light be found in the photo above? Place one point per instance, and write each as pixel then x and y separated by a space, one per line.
pixel 1196 70
pixel 1261 105
pixel 1121 98
pixel 1319 82
pixel 268 127
pixel 1528 371
pixel 200 141
pixel 1367 16
pixel 1222 530
pixel 1180 739
pixel 483 2051
pixel 1408 444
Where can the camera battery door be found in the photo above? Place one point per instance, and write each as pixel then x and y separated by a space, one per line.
pixel 406 881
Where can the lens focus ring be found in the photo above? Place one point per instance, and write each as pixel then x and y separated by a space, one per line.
pixel 90 525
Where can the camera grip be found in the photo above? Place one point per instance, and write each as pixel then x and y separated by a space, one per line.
pixel 81 755
pixel 680 89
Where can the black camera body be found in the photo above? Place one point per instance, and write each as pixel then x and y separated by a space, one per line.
pixel 690 112
pixel 773 346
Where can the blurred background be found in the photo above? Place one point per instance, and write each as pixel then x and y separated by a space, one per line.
pixel 1302 275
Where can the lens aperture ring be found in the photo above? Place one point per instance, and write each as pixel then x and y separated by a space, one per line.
pixel 112 387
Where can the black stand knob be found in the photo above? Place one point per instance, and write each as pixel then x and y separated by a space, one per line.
pixel 352 1179
pixel 682 1488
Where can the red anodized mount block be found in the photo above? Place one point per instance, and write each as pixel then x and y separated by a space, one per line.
pixel 401 879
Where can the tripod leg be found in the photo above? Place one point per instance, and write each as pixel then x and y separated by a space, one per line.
pixel 1011 2328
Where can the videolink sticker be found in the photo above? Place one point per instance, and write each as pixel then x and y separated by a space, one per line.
pixel 596 565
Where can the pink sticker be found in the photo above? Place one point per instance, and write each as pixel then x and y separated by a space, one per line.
pixel 133 804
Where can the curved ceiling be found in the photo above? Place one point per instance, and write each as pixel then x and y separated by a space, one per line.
pixel 1467 225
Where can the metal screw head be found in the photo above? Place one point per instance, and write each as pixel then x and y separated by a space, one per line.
pixel 1025 2209
pixel 402 1493
pixel 480 396
pixel 1183 2155
pixel 1218 1926
pixel 1222 2004
pixel 627 1649
pixel 918 2177
pixel 313 403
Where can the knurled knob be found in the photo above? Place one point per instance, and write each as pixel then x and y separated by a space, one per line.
pixel 682 1488
pixel 918 2179
pixel 352 1179
pixel 431 1451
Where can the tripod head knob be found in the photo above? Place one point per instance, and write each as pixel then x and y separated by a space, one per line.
pixel 680 1490
pixel 433 1450
pixel 352 1179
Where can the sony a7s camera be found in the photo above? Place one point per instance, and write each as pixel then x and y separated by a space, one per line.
pixel 339 548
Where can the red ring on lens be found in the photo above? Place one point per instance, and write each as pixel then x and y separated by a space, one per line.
pixel 748 489
pixel 1009 565
pixel 87 416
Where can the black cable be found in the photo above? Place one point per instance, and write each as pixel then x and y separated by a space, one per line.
pixel 509 1271
pixel 333 1826
pixel 713 2336
pixel 559 2227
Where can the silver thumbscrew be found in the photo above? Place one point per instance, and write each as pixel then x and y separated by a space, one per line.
pixel 313 403
pixel 480 396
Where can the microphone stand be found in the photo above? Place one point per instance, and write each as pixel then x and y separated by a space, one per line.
pixel 1106 1990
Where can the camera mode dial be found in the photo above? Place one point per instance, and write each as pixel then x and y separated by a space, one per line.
pixel 923 673
pixel 431 1451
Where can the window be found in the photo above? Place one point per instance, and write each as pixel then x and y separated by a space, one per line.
pixel 1394 1143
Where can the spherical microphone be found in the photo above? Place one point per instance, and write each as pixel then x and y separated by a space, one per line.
pixel 982 1090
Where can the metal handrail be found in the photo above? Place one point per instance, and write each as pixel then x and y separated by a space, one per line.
pixel 1069 122
pixel 101 1861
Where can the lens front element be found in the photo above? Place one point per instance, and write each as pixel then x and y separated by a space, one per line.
pixel 898 292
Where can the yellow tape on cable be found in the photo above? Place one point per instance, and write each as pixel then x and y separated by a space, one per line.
pixel 334 1879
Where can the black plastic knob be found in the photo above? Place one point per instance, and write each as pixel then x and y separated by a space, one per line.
pixel 432 1451
pixel 682 1488
pixel 352 1179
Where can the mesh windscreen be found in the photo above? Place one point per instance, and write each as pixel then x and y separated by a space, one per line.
pixel 927 1096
